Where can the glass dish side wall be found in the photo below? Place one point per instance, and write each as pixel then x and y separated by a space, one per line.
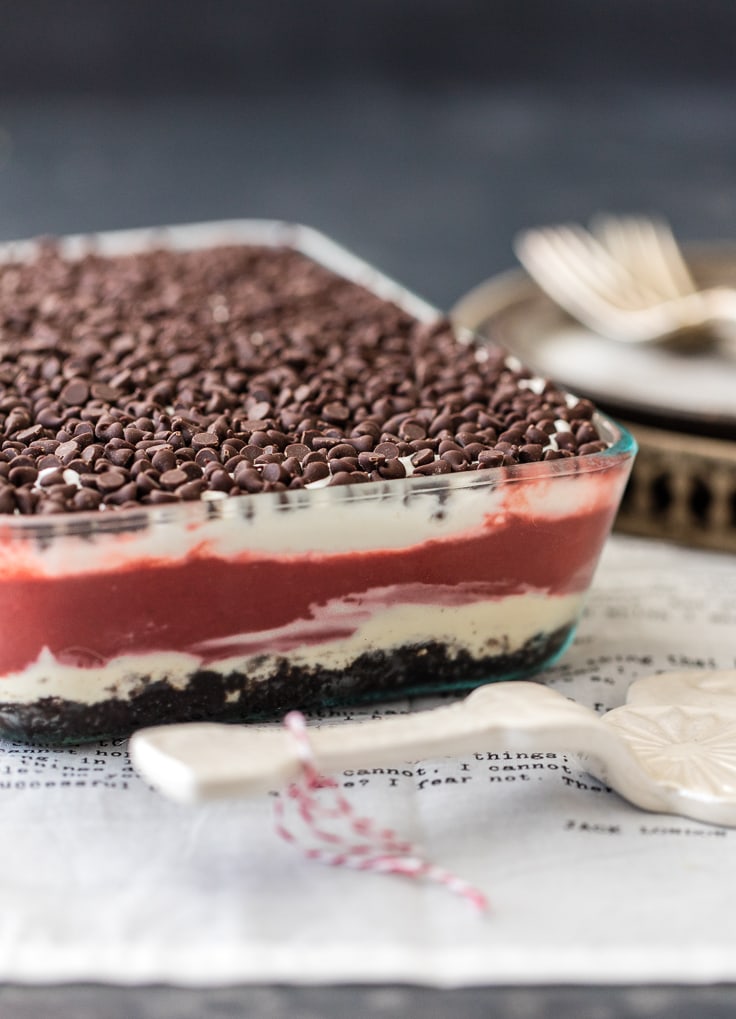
pixel 272 603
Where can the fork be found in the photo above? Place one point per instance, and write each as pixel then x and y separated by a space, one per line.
pixel 625 278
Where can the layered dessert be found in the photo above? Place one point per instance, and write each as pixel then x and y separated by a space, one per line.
pixel 235 482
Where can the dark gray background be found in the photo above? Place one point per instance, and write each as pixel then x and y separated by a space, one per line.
pixel 421 133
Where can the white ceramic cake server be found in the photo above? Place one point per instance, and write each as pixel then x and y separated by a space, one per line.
pixel 670 749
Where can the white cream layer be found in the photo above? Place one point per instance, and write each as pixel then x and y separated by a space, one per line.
pixel 319 522
pixel 481 628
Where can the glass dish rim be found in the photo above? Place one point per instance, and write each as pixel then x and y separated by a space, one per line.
pixel 93 523
pixel 322 249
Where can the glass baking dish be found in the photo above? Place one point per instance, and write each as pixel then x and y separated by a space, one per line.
pixel 247 607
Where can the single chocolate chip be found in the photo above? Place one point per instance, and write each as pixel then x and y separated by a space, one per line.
pixel 424 444
pixel 260 411
pixel 191 489
pixel 159 496
pixel 335 412
pixel 269 458
pixel 343 465
pixel 362 443
pixel 490 458
pixel 392 469
pixel 205 456
pixel 411 430
pixel 220 481
pixel 49 417
pixel 249 479
pixel 586 433
pixel 389 450
pixel 315 471
pixel 529 453
pixel 299 450
pixel 22 475
pixel 437 467
pixel 456 458
pixel 347 478
pixel 342 449
pixel 27 435
pixel 134 435
pixel 125 493
pixel 120 457
pixel 16 420
pixel 110 481
pixel 147 481
pixel 171 479
pixel 369 461
pixel 591 447
pixel 441 423
pixel 422 457
pixel 205 440
pixel 50 476
pixel 277 438
pixel 164 460
pixel 191 469
pixel 566 440
pixel 26 500
pixel 582 409
pixel 75 393
pixel 367 427
pixel 274 472
pixel 473 450
pixel 92 453
pixel 101 391
pixel 536 436
pixel 513 436
pixel 7 499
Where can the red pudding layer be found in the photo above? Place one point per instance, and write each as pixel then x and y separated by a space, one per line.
pixel 154 605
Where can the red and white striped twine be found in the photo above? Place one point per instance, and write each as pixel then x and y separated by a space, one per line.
pixel 365 846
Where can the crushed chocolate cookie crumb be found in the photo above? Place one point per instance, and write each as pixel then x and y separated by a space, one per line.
pixel 172 376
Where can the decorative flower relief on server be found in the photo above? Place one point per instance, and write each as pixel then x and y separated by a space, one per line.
pixel 686 747
pixel 681 727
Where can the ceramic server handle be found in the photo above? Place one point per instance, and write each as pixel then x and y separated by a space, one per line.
pixel 202 761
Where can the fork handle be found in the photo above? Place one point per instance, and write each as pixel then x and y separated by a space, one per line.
pixel 720 304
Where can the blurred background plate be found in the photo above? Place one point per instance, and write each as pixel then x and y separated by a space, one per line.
pixel 681 407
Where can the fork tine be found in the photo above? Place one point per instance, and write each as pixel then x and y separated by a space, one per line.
pixel 541 259
pixel 546 254
pixel 584 264
pixel 652 258
pixel 648 247
pixel 560 279
pixel 627 280
pixel 675 259
pixel 616 235
pixel 630 289
pixel 632 242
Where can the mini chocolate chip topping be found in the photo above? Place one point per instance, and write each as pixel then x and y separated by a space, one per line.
pixel 172 376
